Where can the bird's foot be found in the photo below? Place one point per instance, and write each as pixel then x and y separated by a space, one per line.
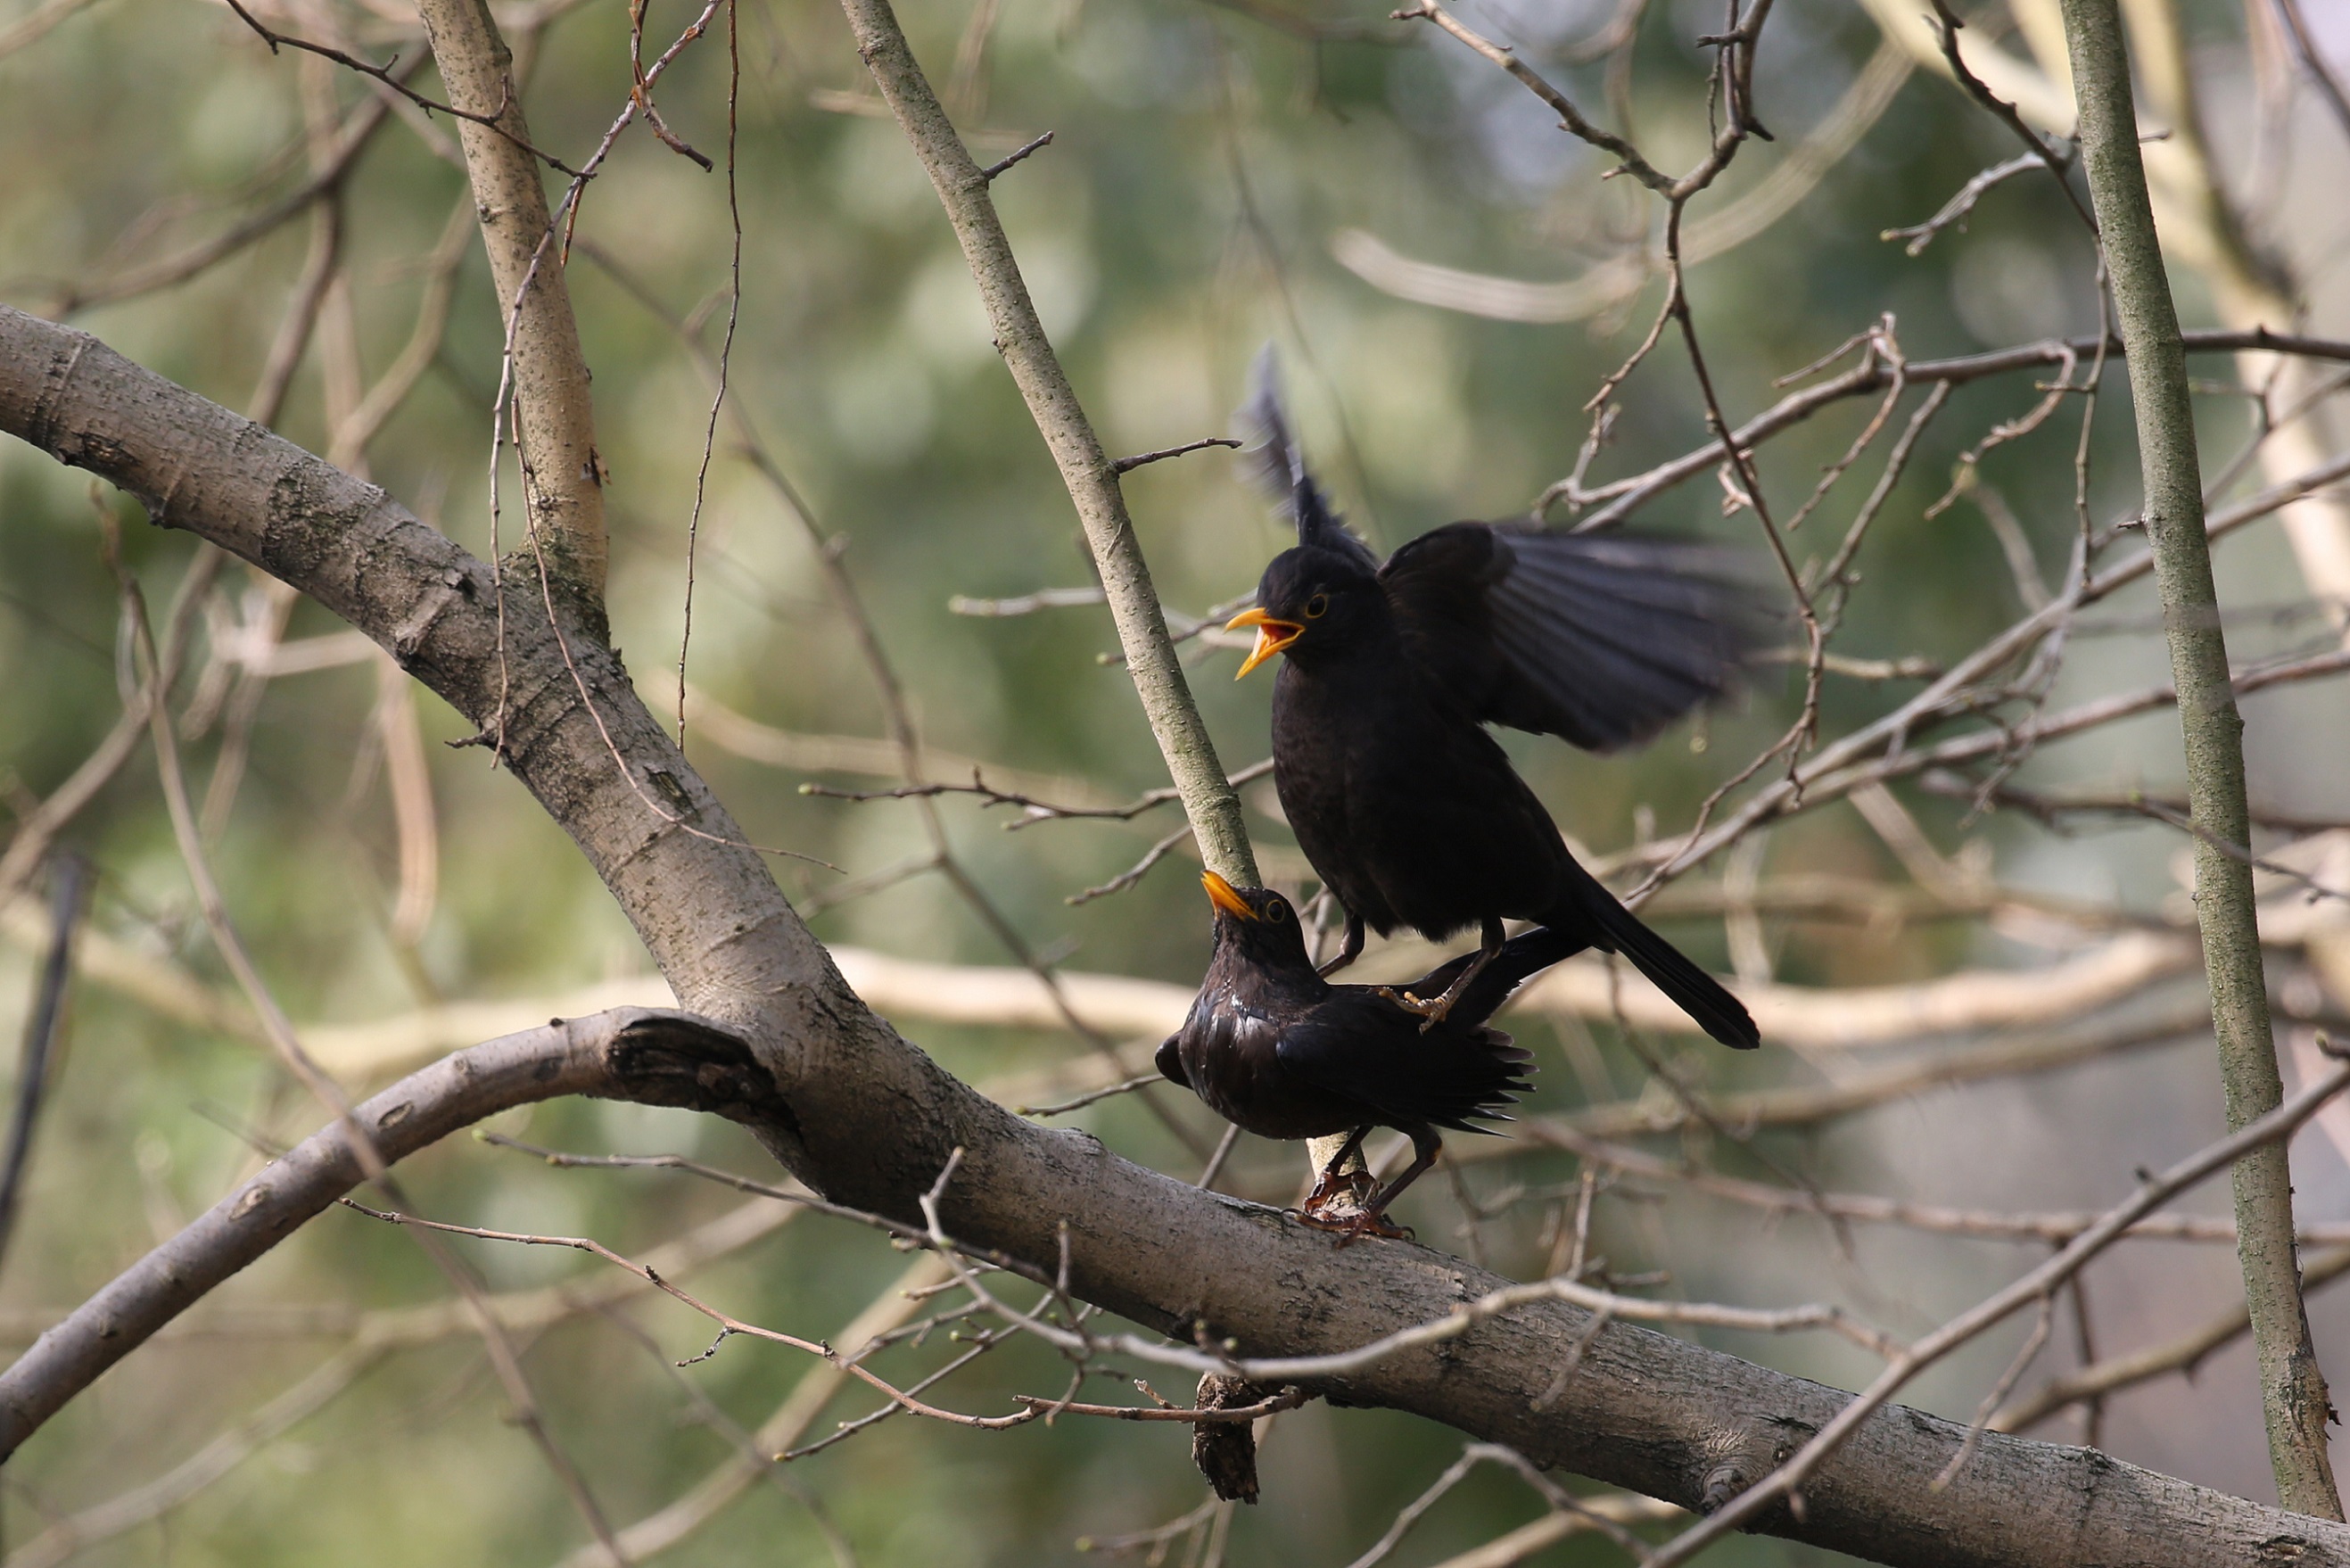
pixel 1352 1228
pixel 1430 1012
pixel 1355 1189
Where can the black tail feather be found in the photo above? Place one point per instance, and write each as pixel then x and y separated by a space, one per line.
pixel 1693 991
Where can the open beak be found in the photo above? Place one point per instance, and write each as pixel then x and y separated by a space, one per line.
pixel 1226 898
pixel 1272 636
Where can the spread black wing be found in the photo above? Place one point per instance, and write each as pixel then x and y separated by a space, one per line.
pixel 1280 467
pixel 1601 639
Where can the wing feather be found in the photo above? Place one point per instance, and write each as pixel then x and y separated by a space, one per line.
pixel 1600 640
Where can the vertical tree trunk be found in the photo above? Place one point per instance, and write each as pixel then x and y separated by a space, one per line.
pixel 554 420
pixel 2292 1389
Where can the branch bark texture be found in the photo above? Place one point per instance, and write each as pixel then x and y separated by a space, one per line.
pixel 868 1120
pixel 554 419
pixel 2292 1388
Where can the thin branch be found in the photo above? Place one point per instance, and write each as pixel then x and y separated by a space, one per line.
pixel 1129 465
pixel 43 1026
pixel 1000 164
pixel 2058 163
pixel 38 829
pixel 1618 499
pixel 1936 1218
pixel 2184 1353
pixel 1096 1097
pixel 383 74
pixel 1570 119
pixel 1208 797
pixel 1956 209
pixel 666 1056
pixel 325 179
pixel 2313 60
pixel 554 431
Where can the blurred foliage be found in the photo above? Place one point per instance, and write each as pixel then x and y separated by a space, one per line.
pixel 1181 216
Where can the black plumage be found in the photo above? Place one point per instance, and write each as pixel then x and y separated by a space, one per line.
pixel 1273 1046
pixel 1407 808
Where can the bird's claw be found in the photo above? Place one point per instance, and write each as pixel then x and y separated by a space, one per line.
pixel 1341 1203
pixel 1430 1012
pixel 1359 1186
pixel 1353 1228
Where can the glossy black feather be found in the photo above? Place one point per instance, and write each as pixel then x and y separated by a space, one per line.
pixel 1601 639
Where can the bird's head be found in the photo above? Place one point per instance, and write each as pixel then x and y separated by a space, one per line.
pixel 1258 921
pixel 1309 600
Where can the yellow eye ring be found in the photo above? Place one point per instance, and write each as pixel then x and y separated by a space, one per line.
pixel 1316 607
pixel 1277 910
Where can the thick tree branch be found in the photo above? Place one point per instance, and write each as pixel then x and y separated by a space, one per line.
pixel 870 1122
pixel 2292 1389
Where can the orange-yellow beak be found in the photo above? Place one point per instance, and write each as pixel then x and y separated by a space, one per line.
pixel 1272 636
pixel 1224 897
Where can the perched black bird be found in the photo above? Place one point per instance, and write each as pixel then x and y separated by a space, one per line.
pixel 1409 810
pixel 1272 1045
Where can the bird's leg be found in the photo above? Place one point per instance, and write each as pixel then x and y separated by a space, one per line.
pixel 1350 947
pixel 1373 1222
pixel 1328 1184
pixel 1434 1012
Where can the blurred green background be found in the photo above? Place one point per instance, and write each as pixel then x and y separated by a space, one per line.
pixel 1205 156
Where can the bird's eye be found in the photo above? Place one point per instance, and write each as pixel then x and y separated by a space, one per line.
pixel 1316 607
pixel 1277 911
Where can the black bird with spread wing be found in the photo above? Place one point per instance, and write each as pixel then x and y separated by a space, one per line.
pixel 1409 810
pixel 1273 1046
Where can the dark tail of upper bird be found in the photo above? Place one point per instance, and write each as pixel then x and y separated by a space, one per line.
pixel 1693 991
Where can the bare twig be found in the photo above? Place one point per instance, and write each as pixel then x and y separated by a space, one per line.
pixel 1000 164
pixel 383 74
pixel 2059 164
pixel 1956 209
pixel 1129 465
pixel 44 1027
pixel 2184 1353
